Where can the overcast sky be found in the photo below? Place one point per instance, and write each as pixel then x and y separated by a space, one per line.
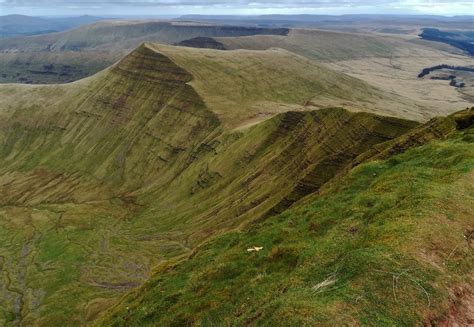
pixel 179 7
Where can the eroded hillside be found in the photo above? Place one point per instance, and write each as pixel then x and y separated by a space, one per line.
pixel 389 243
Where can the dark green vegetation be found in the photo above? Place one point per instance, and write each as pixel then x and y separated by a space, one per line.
pixel 427 71
pixel 460 39
pixel 202 42
pixel 445 73
pixel 106 178
pixel 387 244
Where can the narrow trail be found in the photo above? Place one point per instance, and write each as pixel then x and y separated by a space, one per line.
pixel 26 259
pixel 9 286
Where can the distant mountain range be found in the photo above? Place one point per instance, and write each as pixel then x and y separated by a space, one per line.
pixel 18 25
pixel 342 22
pixel 304 17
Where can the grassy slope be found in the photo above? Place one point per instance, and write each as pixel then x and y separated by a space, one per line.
pixel 12 25
pixel 318 45
pixel 246 86
pixel 388 244
pixel 333 46
pixel 98 184
pixel 390 63
pixel 54 67
pixel 104 43
pixel 110 32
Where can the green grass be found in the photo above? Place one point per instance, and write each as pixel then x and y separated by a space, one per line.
pixel 246 86
pixel 380 237
pixel 319 45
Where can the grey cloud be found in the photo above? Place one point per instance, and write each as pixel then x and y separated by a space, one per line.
pixel 237 6
pixel 236 3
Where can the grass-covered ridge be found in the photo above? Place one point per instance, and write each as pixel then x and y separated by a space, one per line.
pixel 247 86
pixel 388 244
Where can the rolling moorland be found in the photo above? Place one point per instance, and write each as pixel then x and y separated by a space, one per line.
pixel 20 25
pixel 83 51
pixel 386 24
pixel 257 185
pixel 391 62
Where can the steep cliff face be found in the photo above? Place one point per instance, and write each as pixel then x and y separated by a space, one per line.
pixel 120 128
pixel 244 176
pixel 388 243
pixel 340 138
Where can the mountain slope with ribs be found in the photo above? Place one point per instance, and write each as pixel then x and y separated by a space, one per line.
pixel 388 243
pixel 105 178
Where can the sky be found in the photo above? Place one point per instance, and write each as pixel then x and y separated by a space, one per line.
pixel 235 7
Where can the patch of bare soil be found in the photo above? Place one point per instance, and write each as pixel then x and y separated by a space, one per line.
pixel 461 309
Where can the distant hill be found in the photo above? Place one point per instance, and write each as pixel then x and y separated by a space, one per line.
pixel 75 21
pixel 16 25
pixel 123 34
pixel 83 51
pixel 13 25
pixel 398 23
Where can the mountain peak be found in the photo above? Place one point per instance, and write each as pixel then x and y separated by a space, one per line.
pixel 149 64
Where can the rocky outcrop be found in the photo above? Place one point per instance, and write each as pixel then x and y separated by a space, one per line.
pixel 436 128
pixel 339 138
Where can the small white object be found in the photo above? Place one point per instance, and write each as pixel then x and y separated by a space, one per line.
pixel 255 249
